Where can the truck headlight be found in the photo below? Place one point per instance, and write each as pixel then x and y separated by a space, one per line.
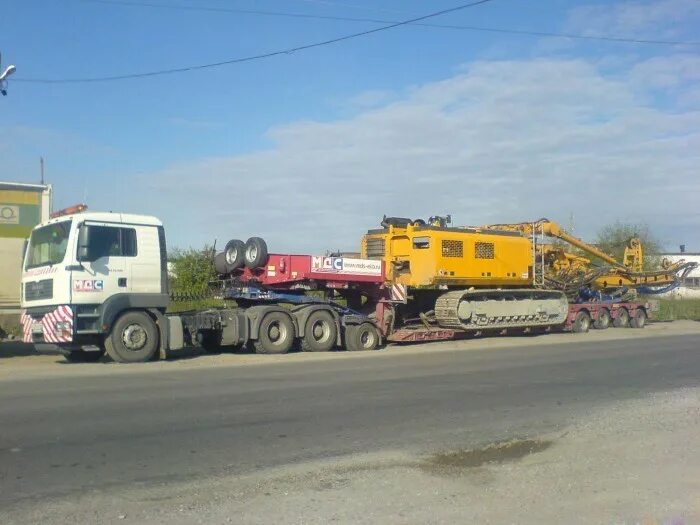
pixel 62 326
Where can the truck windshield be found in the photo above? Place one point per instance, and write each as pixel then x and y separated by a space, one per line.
pixel 48 244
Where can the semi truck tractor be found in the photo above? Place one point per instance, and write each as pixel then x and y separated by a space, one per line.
pixel 96 283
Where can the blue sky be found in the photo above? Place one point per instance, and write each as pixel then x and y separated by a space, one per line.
pixel 309 149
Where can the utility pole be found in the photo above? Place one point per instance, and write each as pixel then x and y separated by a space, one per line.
pixel 41 164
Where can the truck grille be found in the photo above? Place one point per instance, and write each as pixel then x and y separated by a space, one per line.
pixel 36 290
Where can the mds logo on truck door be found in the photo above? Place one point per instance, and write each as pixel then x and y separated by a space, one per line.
pixel 88 285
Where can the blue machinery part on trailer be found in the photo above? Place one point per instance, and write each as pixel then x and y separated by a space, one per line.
pixel 646 290
pixel 588 295
pixel 249 293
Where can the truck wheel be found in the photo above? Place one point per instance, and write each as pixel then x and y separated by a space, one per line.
pixel 623 318
pixel 320 332
pixel 255 253
pixel 361 337
pixel 640 319
pixel 582 323
pixel 133 339
pixel 603 320
pixel 220 263
pixel 276 334
pixel 81 356
pixel 234 254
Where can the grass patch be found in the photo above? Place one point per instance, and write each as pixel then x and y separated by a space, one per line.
pixel 677 309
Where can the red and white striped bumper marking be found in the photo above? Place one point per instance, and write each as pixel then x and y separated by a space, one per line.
pixel 398 293
pixel 62 314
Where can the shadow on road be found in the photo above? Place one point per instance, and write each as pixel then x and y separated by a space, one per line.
pixel 16 349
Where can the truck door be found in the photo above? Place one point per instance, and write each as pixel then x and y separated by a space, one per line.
pixel 107 271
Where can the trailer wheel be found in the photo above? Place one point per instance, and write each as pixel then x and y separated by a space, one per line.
pixel 582 323
pixel 133 339
pixel 234 254
pixel 255 252
pixel 640 319
pixel 81 356
pixel 603 320
pixel 361 337
pixel 276 334
pixel 320 332
pixel 220 263
pixel 623 318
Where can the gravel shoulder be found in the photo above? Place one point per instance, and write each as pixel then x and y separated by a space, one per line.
pixel 627 462
pixel 18 361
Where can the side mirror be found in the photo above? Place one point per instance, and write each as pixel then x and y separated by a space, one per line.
pixel 83 243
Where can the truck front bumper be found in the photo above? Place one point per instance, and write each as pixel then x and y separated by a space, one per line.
pixel 52 325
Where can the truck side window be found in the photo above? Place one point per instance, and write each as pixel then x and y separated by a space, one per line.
pixel 107 241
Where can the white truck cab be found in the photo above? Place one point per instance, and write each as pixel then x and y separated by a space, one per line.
pixel 81 272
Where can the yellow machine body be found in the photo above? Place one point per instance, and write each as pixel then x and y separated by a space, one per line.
pixel 419 255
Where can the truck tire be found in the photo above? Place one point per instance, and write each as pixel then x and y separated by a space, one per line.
pixel 363 336
pixel 582 323
pixel 255 252
pixel 603 320
pixel 640 319
pixel 320 332
pixel 276 334
pixel 81 356
pixel 220 263
pixel 623 318
pixel 234 254
pixel 133 338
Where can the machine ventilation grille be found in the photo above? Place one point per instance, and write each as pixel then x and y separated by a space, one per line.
pixel 452 248
pixel 375 248
pixel 484 250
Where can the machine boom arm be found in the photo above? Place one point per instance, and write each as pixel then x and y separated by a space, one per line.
pixel 552 229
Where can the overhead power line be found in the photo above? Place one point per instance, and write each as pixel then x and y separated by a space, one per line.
pixel 253 57
pixel 286 14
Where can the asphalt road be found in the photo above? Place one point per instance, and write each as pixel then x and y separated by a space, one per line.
pixel 66 434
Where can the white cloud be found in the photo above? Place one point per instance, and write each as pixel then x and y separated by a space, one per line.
pixel 500 141
pixel 656 19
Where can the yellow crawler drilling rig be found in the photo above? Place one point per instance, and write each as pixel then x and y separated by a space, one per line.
pixel 499 276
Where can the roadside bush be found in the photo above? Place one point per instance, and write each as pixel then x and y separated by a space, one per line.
pixel 190 272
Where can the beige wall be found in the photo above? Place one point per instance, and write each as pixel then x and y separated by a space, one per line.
pixel 10 272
